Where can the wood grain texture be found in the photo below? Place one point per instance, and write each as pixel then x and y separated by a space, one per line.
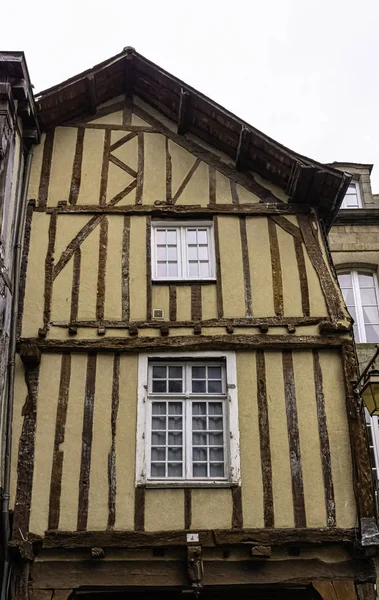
pixel 233 192
pixel 112 479
pixel 246 268
pixel 75 243
pixel 366 591
pixel 330 505
pixel 187 508
pixel 58 454
pixel 105 168
pixel 140 168
pixel 125 278
pixel 25 461
pixel 103 249
pixel 336 590
pixel 149 291
pixel 328 286
pixel 49 270
pixel 139 509
pixel 121 165
pixel 127 110
pixel 168 173
pixel 276 267
pixel 125 138
pixel 196 305
pixel 304 290
pixel 287 226
pixel 220 308
pixel 264 440
pixel 24 265
pixel 75 287
pixel 77 167
pixel 293 440
pixel 85 465
pixel 47 156
pixel 237 514
pixel 172 303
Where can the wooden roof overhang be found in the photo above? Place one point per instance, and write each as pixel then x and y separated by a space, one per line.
pixel 303 179
pixel 15 87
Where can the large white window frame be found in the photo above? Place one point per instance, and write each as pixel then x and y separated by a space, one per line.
pixel 230 419
pixel 355 185
pixel 358 304
pixel 181 229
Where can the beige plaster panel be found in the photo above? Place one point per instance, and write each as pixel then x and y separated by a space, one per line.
pixel 232 281
pixel 93 147
pixel 138 121
pixel 61 294
pixel 260 266
pixel 197 189
pixel 160 299
pixel 251 474
pixel 137 278
pixel 154 183
pixel 164 510
pixel 113 273
pixel 101 444
pixel 35 173
pixel 61 164
pixel 88 276
pixel 310 449
pixel 35 277
pixel 114 118
pixel 47 401
pixel 72 445
pixel 246 197
pixel 335 406
pixel 280 461
pixel 20 394
pixel 118 179
pixel 154 113
pixel 317 305
pixel 212 508
pixel 183 303
pixel 209 301
pixel 356 258
pixel 126 441
pixel 290 275
pixel 223 193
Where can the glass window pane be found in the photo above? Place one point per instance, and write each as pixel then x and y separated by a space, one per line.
pixel 172 269
pixel 372 333
pixel 158 454
pixel 345 280
pixel 159 386
pixel 175 372
pixel 215 423
pixel 159 372
pixel 200 439
pixel 371 315
pixel 214 372
pixel 175 386
pixel 198 372
pixel 353 313
pixel 192 252
pixel 199 454
pixel 217 470
pixel 198 386
pixel 191 236
pixel 161 252
pixel 171 237
pixel 214 387
pixel 193 269
pixel 215 408
pixel 158 423
pixel 199 408
pixel 161 269
pixel 158 439
pixel 159 408
pixel 175 423
pixel 199 470
pixel 216 454
pixel 171 253
pixel 158 470
pixel 203 252
pixel 348 296
pixel 161 236
pixel 175 408
pixel 199 423
pixel 204 269
pixel 202 237
pixel 174 439
pixel 366 280
pixel 175 454
pixel 174 470
pixel 368 296
pixel 216 439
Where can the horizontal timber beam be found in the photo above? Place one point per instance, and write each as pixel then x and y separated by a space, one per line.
pixel 194 210
pixel 184 343
pixel 211 538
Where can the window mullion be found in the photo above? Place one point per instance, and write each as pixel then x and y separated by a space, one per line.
pixel 358 306
pixel 188 438
pixel 183 232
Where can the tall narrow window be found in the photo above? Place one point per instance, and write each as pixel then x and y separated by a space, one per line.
pixel 352 198
pixel 360 291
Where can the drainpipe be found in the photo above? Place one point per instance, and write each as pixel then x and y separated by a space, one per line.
pixel 5 527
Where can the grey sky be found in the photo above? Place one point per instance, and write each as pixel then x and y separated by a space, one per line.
pixel 305 73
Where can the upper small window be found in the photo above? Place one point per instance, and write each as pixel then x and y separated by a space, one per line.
pixel 353 197
pixel 182 251
pixel 360 292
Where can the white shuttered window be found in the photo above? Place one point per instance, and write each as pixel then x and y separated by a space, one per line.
pixel 360 292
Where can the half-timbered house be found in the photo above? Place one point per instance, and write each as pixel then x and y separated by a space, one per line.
pixel 185 417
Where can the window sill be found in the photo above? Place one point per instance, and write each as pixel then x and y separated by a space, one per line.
pixel 183 281
pixel 187 484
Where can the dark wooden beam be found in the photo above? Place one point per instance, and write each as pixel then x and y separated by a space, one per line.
pixel 243 144
pixel 130 73
pixel 183 111
pixel 91 91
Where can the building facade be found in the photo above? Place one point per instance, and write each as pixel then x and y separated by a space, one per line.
pixel 184 418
